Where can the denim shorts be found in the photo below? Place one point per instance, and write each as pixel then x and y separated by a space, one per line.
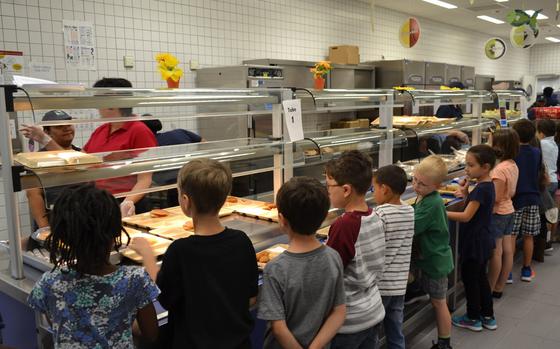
pixel 435 288
pixel 502 224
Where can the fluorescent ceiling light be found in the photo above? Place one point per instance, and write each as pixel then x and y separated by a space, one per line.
pixel 441 4
pixel 490 19
pixel 552 38
pixel 502 0
pixel 539 16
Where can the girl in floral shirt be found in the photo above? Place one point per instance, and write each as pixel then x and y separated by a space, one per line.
pixel 90 302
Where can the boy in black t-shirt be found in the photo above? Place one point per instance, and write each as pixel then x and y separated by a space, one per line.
pixel 209 280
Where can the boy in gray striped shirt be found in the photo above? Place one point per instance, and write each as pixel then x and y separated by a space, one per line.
pixel 359 239
pixel 389 183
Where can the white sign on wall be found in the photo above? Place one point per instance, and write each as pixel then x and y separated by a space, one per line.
pixel 79 44
pixel 11 63
pixel 43 71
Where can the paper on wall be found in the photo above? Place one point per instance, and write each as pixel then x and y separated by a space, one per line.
pixel 41 70
pixel 11 62
pixel 79 44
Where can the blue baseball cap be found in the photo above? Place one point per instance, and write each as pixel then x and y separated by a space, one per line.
pixel 55 115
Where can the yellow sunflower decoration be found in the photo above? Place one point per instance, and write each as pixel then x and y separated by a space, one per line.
pixel 321 69
pixel 168 67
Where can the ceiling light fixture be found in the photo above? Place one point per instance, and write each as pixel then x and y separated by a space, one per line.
pixel 552 38
pixel 490 19
pixel 441 4
pixel 502 0
pixel 539 16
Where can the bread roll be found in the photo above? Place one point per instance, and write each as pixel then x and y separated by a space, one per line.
pixel 231 199
pixel 157 213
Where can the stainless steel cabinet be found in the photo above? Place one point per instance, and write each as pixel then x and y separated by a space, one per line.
pixel 452 74
pixel 400 72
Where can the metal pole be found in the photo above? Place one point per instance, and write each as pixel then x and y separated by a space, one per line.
pixel 277 134
pixel 386 121
pixel 523 106
pixel 10 199
pixel 288 146
pixel 477 113
pixel 288 161
pixel 456 269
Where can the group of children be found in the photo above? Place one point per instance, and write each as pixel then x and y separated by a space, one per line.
pixel 313 296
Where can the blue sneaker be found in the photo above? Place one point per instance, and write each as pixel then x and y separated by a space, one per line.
pixel 510 279
pixel 489 323
pixel 527 274
pixel 465 322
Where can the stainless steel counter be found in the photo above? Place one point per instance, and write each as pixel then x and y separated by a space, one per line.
pixel 17 289
pixel 263 234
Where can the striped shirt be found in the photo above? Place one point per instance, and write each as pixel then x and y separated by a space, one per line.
pixel 358 238
pixel 398 224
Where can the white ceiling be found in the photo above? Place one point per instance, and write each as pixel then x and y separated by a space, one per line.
pixel 465 15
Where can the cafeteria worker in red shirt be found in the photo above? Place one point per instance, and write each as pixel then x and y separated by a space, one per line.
pixel 113 136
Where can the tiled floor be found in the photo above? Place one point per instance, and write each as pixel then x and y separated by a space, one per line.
pixel 528 314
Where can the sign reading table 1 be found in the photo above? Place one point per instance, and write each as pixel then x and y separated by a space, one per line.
pixel 292 119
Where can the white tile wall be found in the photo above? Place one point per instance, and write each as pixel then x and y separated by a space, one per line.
pixel 224 32
pixel 545 59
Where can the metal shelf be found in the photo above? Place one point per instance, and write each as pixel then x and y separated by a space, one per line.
pixel 443 97
pixel 99 98
pixel 154 160
pixel 336 100
pixel 461 125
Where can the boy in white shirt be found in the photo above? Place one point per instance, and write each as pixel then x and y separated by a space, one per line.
pixel 546 130
pixel 389 183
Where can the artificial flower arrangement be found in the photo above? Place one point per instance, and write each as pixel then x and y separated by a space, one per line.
pixel 168 67
pixel 443 87
pixel 403 88
pixel 321 69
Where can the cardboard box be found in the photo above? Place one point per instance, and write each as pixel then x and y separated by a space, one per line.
pixel 344 54
pixel 345 124
pixel 364 123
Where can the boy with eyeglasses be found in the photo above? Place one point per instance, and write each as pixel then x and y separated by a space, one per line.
pixel 431 232
pixel 359 239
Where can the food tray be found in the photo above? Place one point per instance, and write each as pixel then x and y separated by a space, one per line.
pixel 448 189
pixel 415 121
pixel 224 211
pixel 272 252
pixel 146 221
pixel 132 233
pixel 323 232
pixel 159 246
pixel 56 158
pixel 259 212
pixel 172 233
pixel 241 203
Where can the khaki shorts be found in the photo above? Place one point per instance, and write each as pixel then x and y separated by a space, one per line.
pixel 435 288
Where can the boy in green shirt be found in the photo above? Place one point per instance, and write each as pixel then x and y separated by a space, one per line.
pixel 431 233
